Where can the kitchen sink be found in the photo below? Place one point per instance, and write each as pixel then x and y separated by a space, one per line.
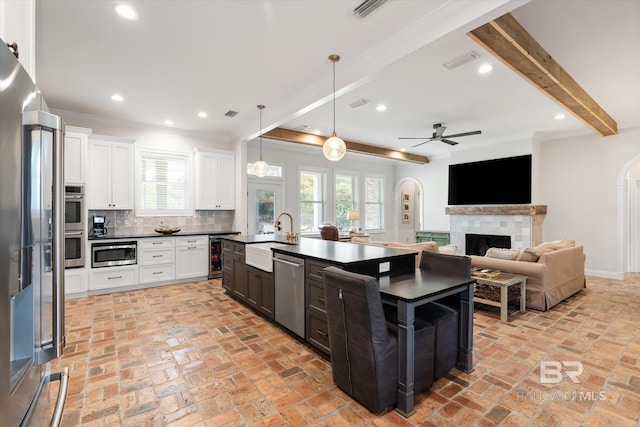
pixel 259 255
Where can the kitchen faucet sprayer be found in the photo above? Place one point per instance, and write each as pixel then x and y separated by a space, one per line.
pixel 291 236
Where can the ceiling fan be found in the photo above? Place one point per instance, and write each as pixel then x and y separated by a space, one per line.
pixel 438 135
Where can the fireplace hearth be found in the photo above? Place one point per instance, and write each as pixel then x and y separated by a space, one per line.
pixel 478 244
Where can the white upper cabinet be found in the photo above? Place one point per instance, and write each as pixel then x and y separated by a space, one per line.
pixel 214 180
pixel 111 177
pixel 76 141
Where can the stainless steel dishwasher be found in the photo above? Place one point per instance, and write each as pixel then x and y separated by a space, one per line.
pixel 288 274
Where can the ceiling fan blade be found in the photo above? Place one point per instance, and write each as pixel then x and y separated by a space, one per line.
pixel 424 142
pixel 415 137
pixel 448 141
pixel 455 135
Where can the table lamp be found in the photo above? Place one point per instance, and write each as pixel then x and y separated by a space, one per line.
pixel 353 217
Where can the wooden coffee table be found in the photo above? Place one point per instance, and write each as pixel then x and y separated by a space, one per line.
pixel 503 282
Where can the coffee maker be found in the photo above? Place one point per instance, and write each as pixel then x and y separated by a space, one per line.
pixel 99 226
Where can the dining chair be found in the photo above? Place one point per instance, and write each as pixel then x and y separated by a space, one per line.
pixel 364 352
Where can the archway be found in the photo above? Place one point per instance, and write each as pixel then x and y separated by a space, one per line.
pixel 409 209
pixel 628 200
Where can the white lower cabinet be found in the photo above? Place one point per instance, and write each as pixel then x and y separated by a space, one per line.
pixel 156 258
pixel 76 281
pixel 113 277
pixel 192 256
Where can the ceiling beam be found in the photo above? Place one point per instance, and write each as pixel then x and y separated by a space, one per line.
pixel 505 38
pixel 282 134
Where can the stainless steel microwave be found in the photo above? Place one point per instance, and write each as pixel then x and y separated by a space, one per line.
pixel 112 254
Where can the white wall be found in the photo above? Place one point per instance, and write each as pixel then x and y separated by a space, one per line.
pixel 18 24
pixel 293 157
pixel 577 178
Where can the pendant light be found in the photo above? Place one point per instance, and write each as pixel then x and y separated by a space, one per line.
pixel 334 148
pixel 260 168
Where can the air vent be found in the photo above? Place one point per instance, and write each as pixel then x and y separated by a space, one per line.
pixel 359 103
pixel 367 6
pixel 231 113
pixel 461 60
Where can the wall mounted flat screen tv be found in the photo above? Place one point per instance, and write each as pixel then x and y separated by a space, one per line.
pixel 505 181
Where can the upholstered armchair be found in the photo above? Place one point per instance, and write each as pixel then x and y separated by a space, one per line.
pixel 364 354
pixel 329 232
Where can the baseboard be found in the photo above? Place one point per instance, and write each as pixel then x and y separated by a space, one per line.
pixel 605 274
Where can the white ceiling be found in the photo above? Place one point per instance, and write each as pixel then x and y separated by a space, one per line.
pixel 182 57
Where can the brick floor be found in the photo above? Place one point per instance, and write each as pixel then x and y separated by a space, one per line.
pixel 188 355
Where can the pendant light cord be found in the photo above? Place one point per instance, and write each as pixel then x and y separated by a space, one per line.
pixel 334 97
pixel 261 134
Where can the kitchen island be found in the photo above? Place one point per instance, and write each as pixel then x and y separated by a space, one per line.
pixel 263 290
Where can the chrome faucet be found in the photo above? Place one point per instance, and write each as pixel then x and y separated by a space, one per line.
pixel 291 236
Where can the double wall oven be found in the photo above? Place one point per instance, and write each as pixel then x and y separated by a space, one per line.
pixel 74 226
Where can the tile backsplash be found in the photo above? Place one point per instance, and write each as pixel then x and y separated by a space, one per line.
pixel 126 223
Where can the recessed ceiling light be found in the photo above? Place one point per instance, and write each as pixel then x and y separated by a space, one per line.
pixel 168 122
pixel 127 12
pixel 485 68
pixel 202 114
pixel 381 107
pixel 403 149
pixel 117 98
pixel 317 132
pixel 559 116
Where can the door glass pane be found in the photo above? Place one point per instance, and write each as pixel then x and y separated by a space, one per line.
pixel 264 200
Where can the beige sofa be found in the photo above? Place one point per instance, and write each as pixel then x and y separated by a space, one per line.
pixel 557 274
pixel 419 247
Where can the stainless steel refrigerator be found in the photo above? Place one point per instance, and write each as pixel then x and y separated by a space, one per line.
pixel 31 251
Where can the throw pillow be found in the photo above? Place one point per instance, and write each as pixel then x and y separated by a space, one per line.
pixel 528 255
pixel 448 249
pixel 553 246
pixel 424 246
pixel 509 254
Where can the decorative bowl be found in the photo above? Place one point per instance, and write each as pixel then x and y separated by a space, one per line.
pixel 167 230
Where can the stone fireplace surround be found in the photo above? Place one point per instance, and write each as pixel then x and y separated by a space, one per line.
pixel 522 222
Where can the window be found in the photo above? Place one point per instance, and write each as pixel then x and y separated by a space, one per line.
pixel 163 185
pixel 373 203
pixel 274 171
pixel 312 200
pixel 346 199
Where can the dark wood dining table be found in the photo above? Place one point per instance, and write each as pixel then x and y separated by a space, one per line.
pixel 410 291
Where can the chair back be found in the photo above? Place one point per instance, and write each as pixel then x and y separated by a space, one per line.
pixel 450 265
pixel 364 360
pixel 329 232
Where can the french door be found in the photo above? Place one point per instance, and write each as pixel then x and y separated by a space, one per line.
pixel 263 204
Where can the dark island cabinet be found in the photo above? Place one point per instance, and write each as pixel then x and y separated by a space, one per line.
pixel 234 269
pixel 317 330
pixel 260 291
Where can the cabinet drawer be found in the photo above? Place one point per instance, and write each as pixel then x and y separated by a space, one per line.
pixel 157 273
pixel 189 241
pixel 156 243
pixel 314 269
pixel 315 295
pixel 227 260
pixel 227 245
pixel 158 256
pixel 113 277
pixel 318 332
pixel 238 248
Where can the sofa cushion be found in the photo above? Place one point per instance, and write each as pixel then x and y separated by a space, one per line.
pixel 501 253
pixel 528 255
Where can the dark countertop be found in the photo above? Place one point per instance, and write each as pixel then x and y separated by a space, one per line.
pixel 325 250
pixel 340 252
pixel 155 234
pixel 257 238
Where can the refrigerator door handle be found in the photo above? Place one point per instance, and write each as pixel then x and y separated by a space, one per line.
pixel 63 377
pixel 58 239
